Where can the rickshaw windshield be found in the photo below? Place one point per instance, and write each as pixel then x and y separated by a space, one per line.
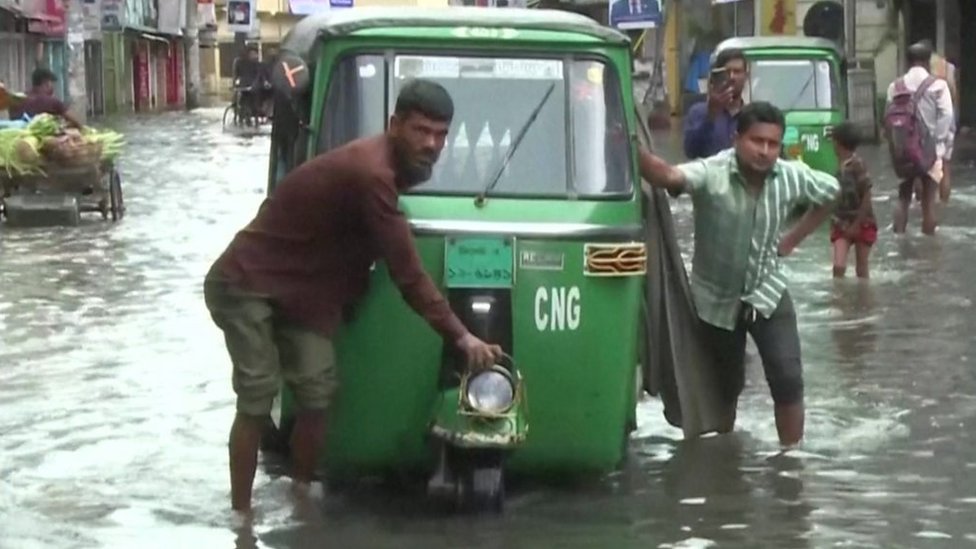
pixel 792 84
pixel 577 144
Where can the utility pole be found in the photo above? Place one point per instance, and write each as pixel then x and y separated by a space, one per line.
pixel 192 55
pixel 850 28
pixel 75 38
pixel 940 26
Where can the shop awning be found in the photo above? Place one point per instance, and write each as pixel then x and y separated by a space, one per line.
pixel 155 38
pixel 153 34
pixel 42 23
pixel 37 22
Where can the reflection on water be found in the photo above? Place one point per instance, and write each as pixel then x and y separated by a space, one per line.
pixel 116 396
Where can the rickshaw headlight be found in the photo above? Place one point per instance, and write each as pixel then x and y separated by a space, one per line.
pixel 491 391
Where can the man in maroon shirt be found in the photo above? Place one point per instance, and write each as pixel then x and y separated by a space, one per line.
pixel 41 99
pixel 279 290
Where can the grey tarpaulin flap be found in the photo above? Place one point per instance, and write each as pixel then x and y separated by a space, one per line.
pixel 677 368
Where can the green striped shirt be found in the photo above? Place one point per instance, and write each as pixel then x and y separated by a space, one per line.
pixel 737 234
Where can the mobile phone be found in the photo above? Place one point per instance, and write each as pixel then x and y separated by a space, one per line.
pixel 719 78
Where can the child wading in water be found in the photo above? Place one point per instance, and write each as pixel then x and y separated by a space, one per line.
pixel 854 222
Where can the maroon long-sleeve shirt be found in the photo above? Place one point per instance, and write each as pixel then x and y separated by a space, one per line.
pixel 313 240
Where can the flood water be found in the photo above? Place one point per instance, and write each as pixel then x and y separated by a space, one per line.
pixel 115 397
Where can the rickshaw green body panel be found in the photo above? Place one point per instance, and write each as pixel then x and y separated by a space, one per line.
pixel 575 337
pixel 808 127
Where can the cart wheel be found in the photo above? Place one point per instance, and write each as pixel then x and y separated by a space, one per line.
pixel 115 196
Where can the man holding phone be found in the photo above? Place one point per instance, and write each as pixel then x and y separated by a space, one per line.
pixel 710 124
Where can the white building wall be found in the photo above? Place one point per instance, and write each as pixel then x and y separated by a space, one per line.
pixel 872 38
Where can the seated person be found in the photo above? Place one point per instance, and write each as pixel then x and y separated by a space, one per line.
pixel 41 99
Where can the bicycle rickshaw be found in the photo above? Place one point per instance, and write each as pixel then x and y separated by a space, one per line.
pixel 244 110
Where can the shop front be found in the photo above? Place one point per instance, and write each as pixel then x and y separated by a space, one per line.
pixel 142 75
pixel 15 50
pixel 51 25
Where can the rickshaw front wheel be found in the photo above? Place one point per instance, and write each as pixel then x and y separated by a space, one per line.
pixel 276 438
pixel 480 486
pixel 482 490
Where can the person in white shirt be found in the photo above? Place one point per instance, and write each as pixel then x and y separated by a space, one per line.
pixel 936 113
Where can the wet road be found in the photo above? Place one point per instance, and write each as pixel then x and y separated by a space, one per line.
pixel 115 396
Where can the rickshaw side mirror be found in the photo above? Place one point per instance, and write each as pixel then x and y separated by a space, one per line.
pixel 290 75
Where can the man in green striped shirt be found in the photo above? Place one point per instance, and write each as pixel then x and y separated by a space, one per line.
pixel 742 199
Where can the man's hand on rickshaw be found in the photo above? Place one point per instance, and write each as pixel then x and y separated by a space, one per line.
pixel 478 353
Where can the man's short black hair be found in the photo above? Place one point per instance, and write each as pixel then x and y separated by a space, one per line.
pixel 731 54
pixel 919 54
pixel 760 112
pixel 42 76
pixel 847 135
pixel 427 98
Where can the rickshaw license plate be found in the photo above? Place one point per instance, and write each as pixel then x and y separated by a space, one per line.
pixel 479 262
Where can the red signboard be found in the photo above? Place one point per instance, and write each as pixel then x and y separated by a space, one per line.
pixel 55 9
pixel 140 71
pixel 48 17
pixel 174 75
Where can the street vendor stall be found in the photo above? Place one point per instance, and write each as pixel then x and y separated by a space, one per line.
pixel 44 159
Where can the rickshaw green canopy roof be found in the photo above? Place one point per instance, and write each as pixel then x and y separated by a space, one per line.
pixel 778 43
pixel 304 36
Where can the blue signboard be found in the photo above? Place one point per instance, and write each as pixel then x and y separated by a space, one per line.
pixel 308 7
pixel 636 14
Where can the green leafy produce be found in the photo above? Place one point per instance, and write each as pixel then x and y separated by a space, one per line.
pixel 25 151
pixel 111 141
pixel 20 152
pixel 44 125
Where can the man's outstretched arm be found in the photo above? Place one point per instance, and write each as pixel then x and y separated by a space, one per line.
pixel 656 171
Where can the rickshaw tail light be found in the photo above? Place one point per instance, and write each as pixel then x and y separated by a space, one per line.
pixel 625 259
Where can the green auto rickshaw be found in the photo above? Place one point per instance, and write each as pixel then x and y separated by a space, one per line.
pixel 532 224
pixel 805 77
